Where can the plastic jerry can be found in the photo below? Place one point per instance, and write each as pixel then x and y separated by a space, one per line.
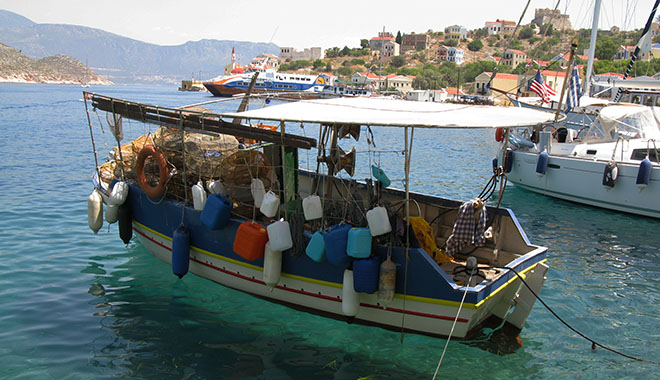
pixel 270 204
pixel 199 196
pixel 279 235
pixel 365 275
pixel 250 240
pixel 336 240
pixel 359 242
pixel 316 247
pixel 216 212
pixel 258 191
pixel 378 221
pixel 312 207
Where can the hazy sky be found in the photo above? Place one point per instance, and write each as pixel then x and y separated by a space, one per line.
pixel 303 24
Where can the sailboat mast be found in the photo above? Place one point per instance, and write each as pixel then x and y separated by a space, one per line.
pixel 592 48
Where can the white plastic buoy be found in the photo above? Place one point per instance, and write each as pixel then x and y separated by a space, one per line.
pixel 95 211
pixel 119 193
pixel 386 282
pixel 216 187
pixel 350 299
pixel 312 207
pixel 199 196
pixel 272 266
pixel 258 191
pixel 111 213
pixel 378 221
pixel 270 204
pixel 279 235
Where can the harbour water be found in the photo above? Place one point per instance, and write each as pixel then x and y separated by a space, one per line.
pixel 76 305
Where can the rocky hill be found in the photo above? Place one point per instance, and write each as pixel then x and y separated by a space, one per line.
pixel 17 67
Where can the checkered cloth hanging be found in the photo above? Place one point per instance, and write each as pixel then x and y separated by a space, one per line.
pixel 468 229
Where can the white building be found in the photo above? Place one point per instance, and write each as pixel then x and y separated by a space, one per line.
pixel 390 49
pixel 455 55
pixel 456 32
pixel 290 54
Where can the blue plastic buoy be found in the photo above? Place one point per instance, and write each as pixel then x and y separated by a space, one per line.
pixel 508 161
pixel 180 251
pixel 542 163
pixel 644 173
pixel 125 218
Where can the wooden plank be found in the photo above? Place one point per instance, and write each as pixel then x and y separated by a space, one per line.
pixel 195 121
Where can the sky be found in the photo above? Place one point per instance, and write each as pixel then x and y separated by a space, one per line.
pixel 302 24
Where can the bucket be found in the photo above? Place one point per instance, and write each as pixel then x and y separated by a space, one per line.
pixel 365 275
pixel 312 207
pixel 378 221
pixel 216 212
pixel 336 240
pixel 270 204
pixel 359 242
pixel 316 247
pixel 279 235
pixel 250 240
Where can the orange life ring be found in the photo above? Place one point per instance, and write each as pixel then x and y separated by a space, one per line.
pixel 158 190
pixel 499 134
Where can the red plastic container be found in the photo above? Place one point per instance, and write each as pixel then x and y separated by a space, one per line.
pixel 250 241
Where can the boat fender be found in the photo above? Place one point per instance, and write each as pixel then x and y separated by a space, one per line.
pixel 180 251
pixel 386 282
pixel 125 218
pixel 499 134
pixel 542 163
pixel 495 163
pixel 119 193
pixel 199 196
pixel 95 211
pixel 111 213
pixel 350 299
pixel 164 171
pixel 508 161
pixel 258 191
pixel 610 174
pixel 644 174
pixel 272 266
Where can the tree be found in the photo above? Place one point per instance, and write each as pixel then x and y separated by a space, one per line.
pixel 332 52
pixel 328 68
pixel 318 64
pixel 398 61
pixel 475 45
pixel 526 33
pixel 481 33
pixel 398 38
pixel 605 49
pixel 364 43
pixel 451 43
pixel 345 51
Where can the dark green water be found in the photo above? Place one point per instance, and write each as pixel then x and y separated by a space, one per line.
pixel 77 305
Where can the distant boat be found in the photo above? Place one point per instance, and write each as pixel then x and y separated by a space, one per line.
pixel 267 82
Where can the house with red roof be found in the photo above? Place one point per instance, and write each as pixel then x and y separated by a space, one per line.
pixel 503 82
pixel 513 57
pixel 626 52
pixel 375 43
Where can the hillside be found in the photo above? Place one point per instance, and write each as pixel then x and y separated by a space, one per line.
pixel 17 67
pixel 122 59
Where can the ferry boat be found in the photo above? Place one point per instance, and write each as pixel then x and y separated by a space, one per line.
pixel 267 82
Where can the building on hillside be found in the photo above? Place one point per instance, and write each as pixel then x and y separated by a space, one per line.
pixel 401 83
pixel 376 42
pixel 441 53
pixel 500 26
pixel 564 57
pixel 513 57
pixel 655 29
pixel 390 49
pixel 553 17
pixel 502 82
pixel 369 80
pixel 266 61
pixel 414 42
pixel 455 55
pixel 455 32
pixel 655 50
pixel 625 52
pixel 290 54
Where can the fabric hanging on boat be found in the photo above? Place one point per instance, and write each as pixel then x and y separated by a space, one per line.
pixel 424 234
pixel 469 227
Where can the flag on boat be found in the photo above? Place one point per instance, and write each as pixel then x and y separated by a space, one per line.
pixel 574 89
pixel 541 88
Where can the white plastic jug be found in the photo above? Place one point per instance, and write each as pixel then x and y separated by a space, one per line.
pixel 379 223
pixel 279 235
pixel 199 196
pixel 216 187
pixel 119 193
pixel 258 191
pixel 312 207
pixel 269 205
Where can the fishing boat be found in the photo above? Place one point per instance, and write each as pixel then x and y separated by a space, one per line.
pixel 247 217
pixel 266 82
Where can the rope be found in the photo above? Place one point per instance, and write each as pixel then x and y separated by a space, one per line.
pixel 183 157
pixel 91 134
pixel 460 307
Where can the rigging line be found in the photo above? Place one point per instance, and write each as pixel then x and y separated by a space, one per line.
pixel 593 342
pixel 460 307
pixel 91 134
pixel 183 159
pixel 508 44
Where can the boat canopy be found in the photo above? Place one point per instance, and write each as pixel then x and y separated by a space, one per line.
pixel 625 121
pixel 393 112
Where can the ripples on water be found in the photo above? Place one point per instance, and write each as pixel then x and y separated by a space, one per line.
pixel 78 305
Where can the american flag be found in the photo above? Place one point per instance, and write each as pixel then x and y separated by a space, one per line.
pixel 539 86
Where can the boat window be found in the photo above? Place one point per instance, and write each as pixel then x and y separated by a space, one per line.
pixel 636 99
pixel 657 101
pixel 591 151
pixel 640 154
pixel 648 100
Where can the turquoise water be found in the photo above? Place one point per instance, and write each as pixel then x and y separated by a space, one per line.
pixel 77 305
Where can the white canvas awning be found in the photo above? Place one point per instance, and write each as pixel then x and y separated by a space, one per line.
pixel 391 112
